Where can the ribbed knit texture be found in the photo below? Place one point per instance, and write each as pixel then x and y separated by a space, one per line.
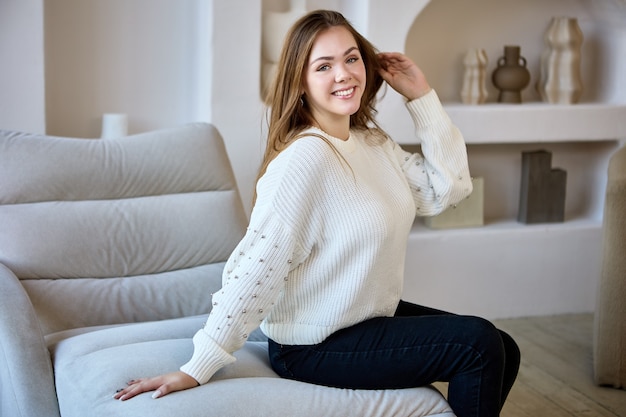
pixel 325 248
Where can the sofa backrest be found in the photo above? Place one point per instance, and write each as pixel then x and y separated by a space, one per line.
pixel 104 231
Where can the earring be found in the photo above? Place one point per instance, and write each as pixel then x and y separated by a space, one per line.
pixel 301 101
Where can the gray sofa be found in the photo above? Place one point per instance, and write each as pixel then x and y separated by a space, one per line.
pixel 109 252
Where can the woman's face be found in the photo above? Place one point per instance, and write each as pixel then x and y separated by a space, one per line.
pixel 334 79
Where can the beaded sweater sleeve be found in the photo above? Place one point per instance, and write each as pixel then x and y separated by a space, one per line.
pixel 253 279
pixel 440 177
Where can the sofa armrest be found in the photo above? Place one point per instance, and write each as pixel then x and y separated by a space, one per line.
pixel 26 378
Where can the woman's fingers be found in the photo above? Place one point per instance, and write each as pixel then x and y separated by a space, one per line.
pixel 403 75
pixel 136 387
pixel 161 385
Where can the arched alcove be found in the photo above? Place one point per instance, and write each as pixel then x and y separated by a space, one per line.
pixel 443 32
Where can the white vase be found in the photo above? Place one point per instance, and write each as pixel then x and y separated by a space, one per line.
pixel 560 80
pixel 474 90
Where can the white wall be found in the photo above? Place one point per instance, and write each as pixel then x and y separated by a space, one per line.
pixel 236 107
pixel 116 56
pixel 22 102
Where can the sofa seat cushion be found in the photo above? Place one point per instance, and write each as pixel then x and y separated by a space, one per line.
pixel 91 365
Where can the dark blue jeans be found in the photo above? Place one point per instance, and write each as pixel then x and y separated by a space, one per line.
pixel 416 347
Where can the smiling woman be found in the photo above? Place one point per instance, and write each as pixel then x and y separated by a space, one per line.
pixel 321 266
pixel 334 81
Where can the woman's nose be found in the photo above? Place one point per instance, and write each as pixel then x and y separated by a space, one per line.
pixel 342 74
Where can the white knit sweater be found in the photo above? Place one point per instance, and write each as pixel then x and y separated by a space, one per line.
pixel 325 247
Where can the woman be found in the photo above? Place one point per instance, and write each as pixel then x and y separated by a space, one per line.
pixel 321 266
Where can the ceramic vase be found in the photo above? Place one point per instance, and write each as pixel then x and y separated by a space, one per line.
pixel 560 81
pixel 474 90
pixel 511 75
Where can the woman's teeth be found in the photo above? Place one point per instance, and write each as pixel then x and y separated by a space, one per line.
pixel 344 93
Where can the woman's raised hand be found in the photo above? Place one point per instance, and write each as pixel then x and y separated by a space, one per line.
pixel 403 75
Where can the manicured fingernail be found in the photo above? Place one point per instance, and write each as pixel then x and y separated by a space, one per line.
pixel 156 394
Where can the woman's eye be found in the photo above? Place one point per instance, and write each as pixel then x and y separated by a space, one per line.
pixel 352 59
pixel 324 67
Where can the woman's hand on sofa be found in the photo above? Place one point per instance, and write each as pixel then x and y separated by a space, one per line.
pixel 161 385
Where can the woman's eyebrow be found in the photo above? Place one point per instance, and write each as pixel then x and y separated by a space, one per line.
pixel 330 58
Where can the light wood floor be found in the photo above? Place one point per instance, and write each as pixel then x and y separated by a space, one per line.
pixel 556 373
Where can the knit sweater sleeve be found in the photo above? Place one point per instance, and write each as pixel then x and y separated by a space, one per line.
pixel 253 279
pixel 439 177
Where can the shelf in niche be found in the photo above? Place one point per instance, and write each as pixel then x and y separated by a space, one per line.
pixel 538 122
pixel 506 227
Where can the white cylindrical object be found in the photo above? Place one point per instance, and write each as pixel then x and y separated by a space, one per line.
pixel 114 125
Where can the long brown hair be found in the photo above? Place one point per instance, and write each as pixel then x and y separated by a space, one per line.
pixel 288 115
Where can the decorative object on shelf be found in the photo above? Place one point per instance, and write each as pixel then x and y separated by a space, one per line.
pixel 511 75
pixel 274 29
pixel 468 213
pixel 542 193
pixel 114 125
pixel 560 80
pixel 474 90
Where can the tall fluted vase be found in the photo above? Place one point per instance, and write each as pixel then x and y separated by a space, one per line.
pixel 560 78
pixel 474 90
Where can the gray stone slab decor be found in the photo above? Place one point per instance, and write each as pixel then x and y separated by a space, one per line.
pixel 542 192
